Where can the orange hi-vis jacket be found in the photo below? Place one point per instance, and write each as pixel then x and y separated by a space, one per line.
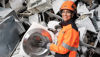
pixel 67 40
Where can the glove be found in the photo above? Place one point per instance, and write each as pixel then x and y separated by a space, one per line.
pixel 43 44
pixel 35 43
pixel 54 31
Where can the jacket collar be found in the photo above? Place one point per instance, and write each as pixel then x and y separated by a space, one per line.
pixel 64 23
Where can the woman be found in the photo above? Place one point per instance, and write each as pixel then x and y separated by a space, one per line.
pixel 68 37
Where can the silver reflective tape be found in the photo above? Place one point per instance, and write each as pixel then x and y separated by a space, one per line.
pixel 69 47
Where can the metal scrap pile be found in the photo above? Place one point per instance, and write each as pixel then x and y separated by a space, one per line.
pixel 23 13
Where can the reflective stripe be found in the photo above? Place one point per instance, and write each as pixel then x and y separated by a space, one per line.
pixel 69 47
pixel 77 55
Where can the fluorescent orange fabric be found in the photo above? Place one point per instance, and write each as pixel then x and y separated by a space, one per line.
pixel 70 38
pixel 70 5
pixel 46 34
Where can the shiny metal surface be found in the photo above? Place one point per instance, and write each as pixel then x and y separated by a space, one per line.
pixel 9 36
pixel 97 50
pixel 30 44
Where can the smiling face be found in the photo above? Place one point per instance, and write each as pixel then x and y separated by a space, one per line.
pixel 67 15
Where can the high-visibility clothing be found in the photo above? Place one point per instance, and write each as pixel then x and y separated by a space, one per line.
pixel 46 34
pixel 67 40
pixel 70 5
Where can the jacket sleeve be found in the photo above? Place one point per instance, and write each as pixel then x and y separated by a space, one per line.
pixel 58 49
pixel 69 39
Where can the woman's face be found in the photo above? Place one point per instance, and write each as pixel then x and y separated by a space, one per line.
pixel 66 15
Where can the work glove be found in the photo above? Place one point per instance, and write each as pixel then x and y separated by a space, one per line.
pixel 54 31
pixel 42 44
pixel 45 45
pixel 35 43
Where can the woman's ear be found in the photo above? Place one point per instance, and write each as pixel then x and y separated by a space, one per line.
pixel 72 15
